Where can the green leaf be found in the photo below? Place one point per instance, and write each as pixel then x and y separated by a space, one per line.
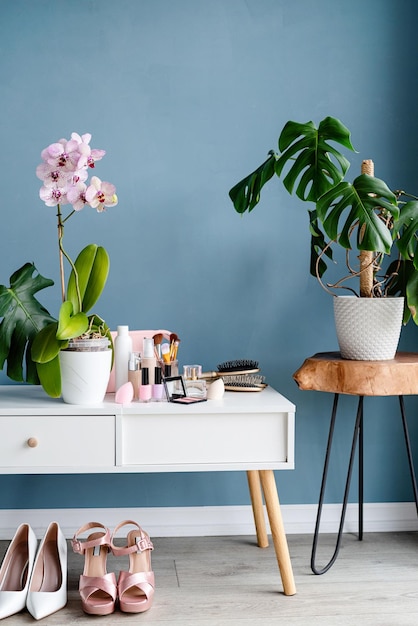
pixel 246 194
pixel 405 229
pixel 23 317
pixel 308 148
pixel 400 274
pixel 45 345
pixel 69 325
pixel 359 205
pixel 50 376
pixel 319 247
pixel 92 266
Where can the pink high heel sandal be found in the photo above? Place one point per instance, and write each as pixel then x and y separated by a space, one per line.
pixel 136 586
pixel 97 588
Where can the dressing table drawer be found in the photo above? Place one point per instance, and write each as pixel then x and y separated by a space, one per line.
pixel 56 441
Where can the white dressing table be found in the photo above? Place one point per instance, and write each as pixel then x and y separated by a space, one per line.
pixel 253 432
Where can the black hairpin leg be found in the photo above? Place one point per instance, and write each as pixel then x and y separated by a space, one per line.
pixel 409 451
pixel 357 434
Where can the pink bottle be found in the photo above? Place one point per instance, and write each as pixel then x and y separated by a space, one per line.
pixel 145 388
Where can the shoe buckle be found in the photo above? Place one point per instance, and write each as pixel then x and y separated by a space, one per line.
pixel 142 545
pixel 76 544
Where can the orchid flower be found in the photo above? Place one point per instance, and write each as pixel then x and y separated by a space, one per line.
pixel 101 194
pixel 64 174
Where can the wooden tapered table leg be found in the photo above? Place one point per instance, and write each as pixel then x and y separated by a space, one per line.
pixel 257 504
pixel 278 534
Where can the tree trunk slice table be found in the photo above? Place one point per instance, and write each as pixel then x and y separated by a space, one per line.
pixel 329 372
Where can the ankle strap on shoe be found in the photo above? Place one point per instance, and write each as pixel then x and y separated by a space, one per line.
pixel 81 546
pixel 142 542
pixel 141 545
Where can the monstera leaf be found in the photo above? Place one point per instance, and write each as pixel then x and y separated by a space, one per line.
pixel 360 204
pixel 308 148
pixel 23 317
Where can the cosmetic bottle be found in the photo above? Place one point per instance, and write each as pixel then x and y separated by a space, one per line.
pixel 134 372
pixel 158 387
pixel 123 349
pixel 148 358
pixel 145 388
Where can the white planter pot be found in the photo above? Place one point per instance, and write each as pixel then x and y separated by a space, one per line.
pixel 368 329
pixel 84 376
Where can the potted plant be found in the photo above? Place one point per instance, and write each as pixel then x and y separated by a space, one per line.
pixel 364 215
pixel 31 340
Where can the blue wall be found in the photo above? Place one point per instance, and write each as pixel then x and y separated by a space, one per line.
pixel 187 97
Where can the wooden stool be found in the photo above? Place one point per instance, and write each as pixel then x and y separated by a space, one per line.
pixel 327 371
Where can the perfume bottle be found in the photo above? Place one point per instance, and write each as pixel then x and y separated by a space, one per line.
pixel 195 388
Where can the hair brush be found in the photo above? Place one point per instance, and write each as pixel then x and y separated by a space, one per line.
pixel 233 368
pixel 244 382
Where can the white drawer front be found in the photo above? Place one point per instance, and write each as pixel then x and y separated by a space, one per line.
pixel 205 439
pixel 57 441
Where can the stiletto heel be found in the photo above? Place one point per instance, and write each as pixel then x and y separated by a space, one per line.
pixel 48 584
pixel 97 588
pixel 15 571
pixel 136 586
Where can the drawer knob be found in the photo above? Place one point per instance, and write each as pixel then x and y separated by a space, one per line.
pixel 32 442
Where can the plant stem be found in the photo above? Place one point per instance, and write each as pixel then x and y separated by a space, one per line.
pixel 62 254
pixel 61 250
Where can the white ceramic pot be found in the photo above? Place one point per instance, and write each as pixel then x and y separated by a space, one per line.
pixel 368 329
pixel 84 376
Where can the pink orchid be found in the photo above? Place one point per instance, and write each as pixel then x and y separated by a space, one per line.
pixel 53 176
pixel 76 195
pixel 88 156
pixel 52 196
pixel 101 194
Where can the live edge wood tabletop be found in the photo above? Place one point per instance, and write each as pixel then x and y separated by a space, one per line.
pixel 253 432
pixel 328 371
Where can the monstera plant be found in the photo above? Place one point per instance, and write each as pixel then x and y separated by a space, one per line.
pixel 364 214
pixel 31 338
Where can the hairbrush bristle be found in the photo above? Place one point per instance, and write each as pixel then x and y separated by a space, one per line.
pixel 238 365
pixel 244 382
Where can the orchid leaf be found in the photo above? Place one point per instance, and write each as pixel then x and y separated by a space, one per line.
pixel 69 325
pixel 92 267
pixel 45 345
pixel 23 317
pixel 50 376
pixel 359 204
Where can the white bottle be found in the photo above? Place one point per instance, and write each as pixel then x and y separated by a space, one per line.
pixel 123 349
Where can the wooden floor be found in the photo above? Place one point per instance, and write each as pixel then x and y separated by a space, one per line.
pixel 229 581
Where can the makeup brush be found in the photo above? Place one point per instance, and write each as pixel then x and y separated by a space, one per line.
pixel 158 338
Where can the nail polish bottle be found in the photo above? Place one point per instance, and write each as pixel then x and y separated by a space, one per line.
pixel 158 387
pixel 145 388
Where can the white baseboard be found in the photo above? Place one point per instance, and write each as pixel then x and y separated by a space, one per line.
pixel 215 520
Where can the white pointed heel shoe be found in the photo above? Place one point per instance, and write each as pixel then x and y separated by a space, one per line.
pixel 15 571
pixel 48 584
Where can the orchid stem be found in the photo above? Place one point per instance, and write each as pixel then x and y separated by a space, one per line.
pixel 62 254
